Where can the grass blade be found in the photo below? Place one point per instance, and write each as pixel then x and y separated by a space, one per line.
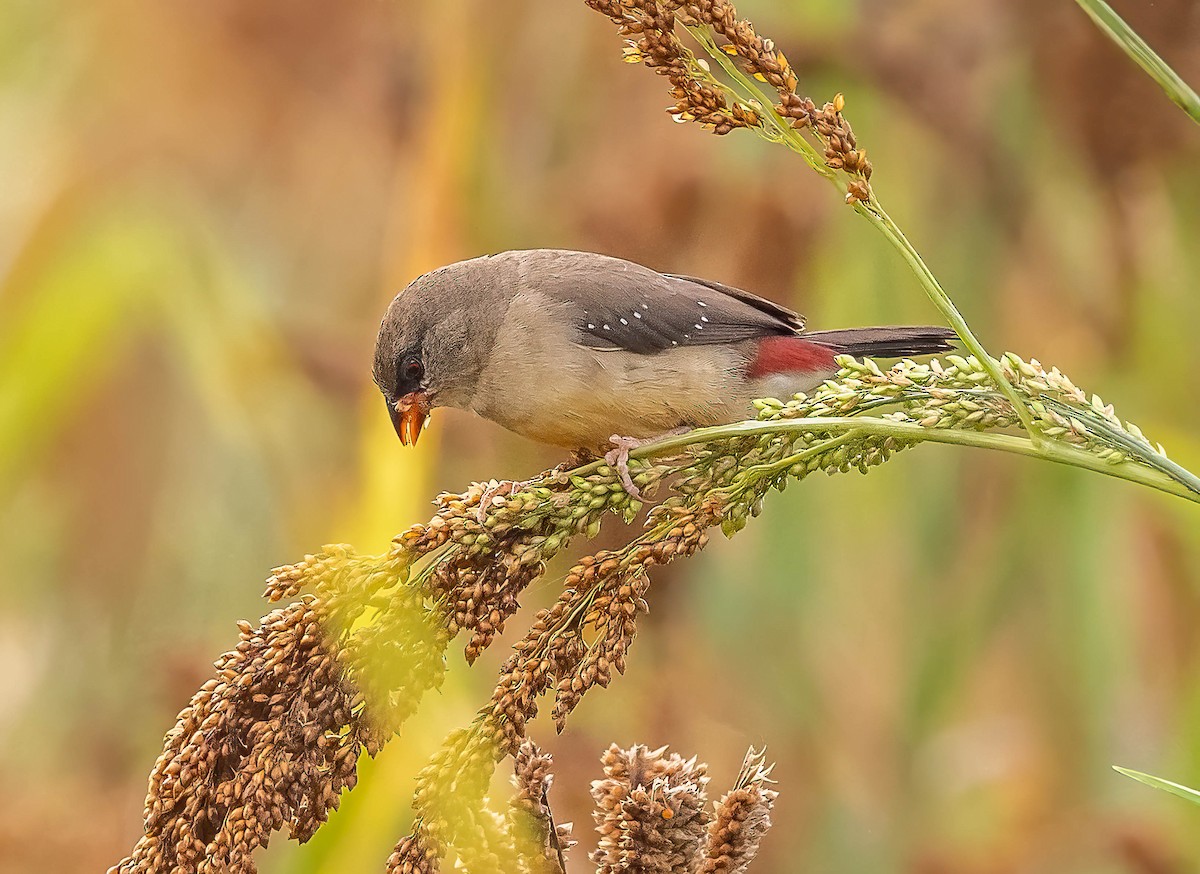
pixel 1158 783
pixel 1123 35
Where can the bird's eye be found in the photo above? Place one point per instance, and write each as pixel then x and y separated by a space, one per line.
pixel 411 369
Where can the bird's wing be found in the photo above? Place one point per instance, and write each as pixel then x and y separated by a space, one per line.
pixel 638 310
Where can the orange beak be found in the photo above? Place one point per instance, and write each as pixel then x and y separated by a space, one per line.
pixel 408 416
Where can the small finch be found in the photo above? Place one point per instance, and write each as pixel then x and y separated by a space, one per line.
pixel 582 351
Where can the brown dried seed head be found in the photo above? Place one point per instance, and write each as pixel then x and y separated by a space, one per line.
pixel 415 854
pixel 743 817
pixel 649 808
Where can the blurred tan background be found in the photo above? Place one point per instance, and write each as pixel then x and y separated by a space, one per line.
pixel 204 208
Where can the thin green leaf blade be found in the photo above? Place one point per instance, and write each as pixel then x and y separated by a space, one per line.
pixel 1158 783
pixel 1106 18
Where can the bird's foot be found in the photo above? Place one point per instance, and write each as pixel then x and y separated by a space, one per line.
pixel 501 488
pixel 618 459
pixel 496 489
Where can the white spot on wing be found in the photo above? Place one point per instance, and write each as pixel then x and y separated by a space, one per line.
pixel 623 322
pixel 702 303
pixel 704 318
pixel 591 327
pixel 636 314
pixel 607 328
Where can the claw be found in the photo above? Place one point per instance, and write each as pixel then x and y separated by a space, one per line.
pixel 618 458
pixel 503 487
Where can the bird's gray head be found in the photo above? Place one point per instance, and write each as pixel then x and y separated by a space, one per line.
pixel 434 342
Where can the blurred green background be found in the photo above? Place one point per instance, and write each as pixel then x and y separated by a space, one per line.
pixel 205 207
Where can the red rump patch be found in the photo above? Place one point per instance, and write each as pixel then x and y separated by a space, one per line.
pixel 790 355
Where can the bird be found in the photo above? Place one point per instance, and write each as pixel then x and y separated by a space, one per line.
pixel 587 351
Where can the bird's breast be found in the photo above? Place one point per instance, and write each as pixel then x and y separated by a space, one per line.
pixel 541 383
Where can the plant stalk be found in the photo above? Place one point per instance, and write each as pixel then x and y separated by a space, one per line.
pixel 1181 94
pixel 909 432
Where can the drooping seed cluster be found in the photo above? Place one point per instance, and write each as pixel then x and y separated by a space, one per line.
pixel 274 738
pixel 649 29
pixel 483 598
pixel 415 854
pixel 596 616
pixel 494 558
pixel 770 65
pixel 743 817
pixel 530 815
pixel 451 800
pixel 270 742
pixel 572 646
pixel 578 642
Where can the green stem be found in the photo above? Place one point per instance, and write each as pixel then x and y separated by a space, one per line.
pixel 1060 453
pixel 1181 94
pixel 752 475
pixel 876 215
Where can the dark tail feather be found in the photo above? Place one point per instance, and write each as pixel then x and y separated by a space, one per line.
pixel 891 342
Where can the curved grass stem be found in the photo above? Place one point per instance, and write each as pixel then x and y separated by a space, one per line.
pixel 908 432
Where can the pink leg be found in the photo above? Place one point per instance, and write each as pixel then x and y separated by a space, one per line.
pixel 504 487
pixel 618 457
pixel 508 486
